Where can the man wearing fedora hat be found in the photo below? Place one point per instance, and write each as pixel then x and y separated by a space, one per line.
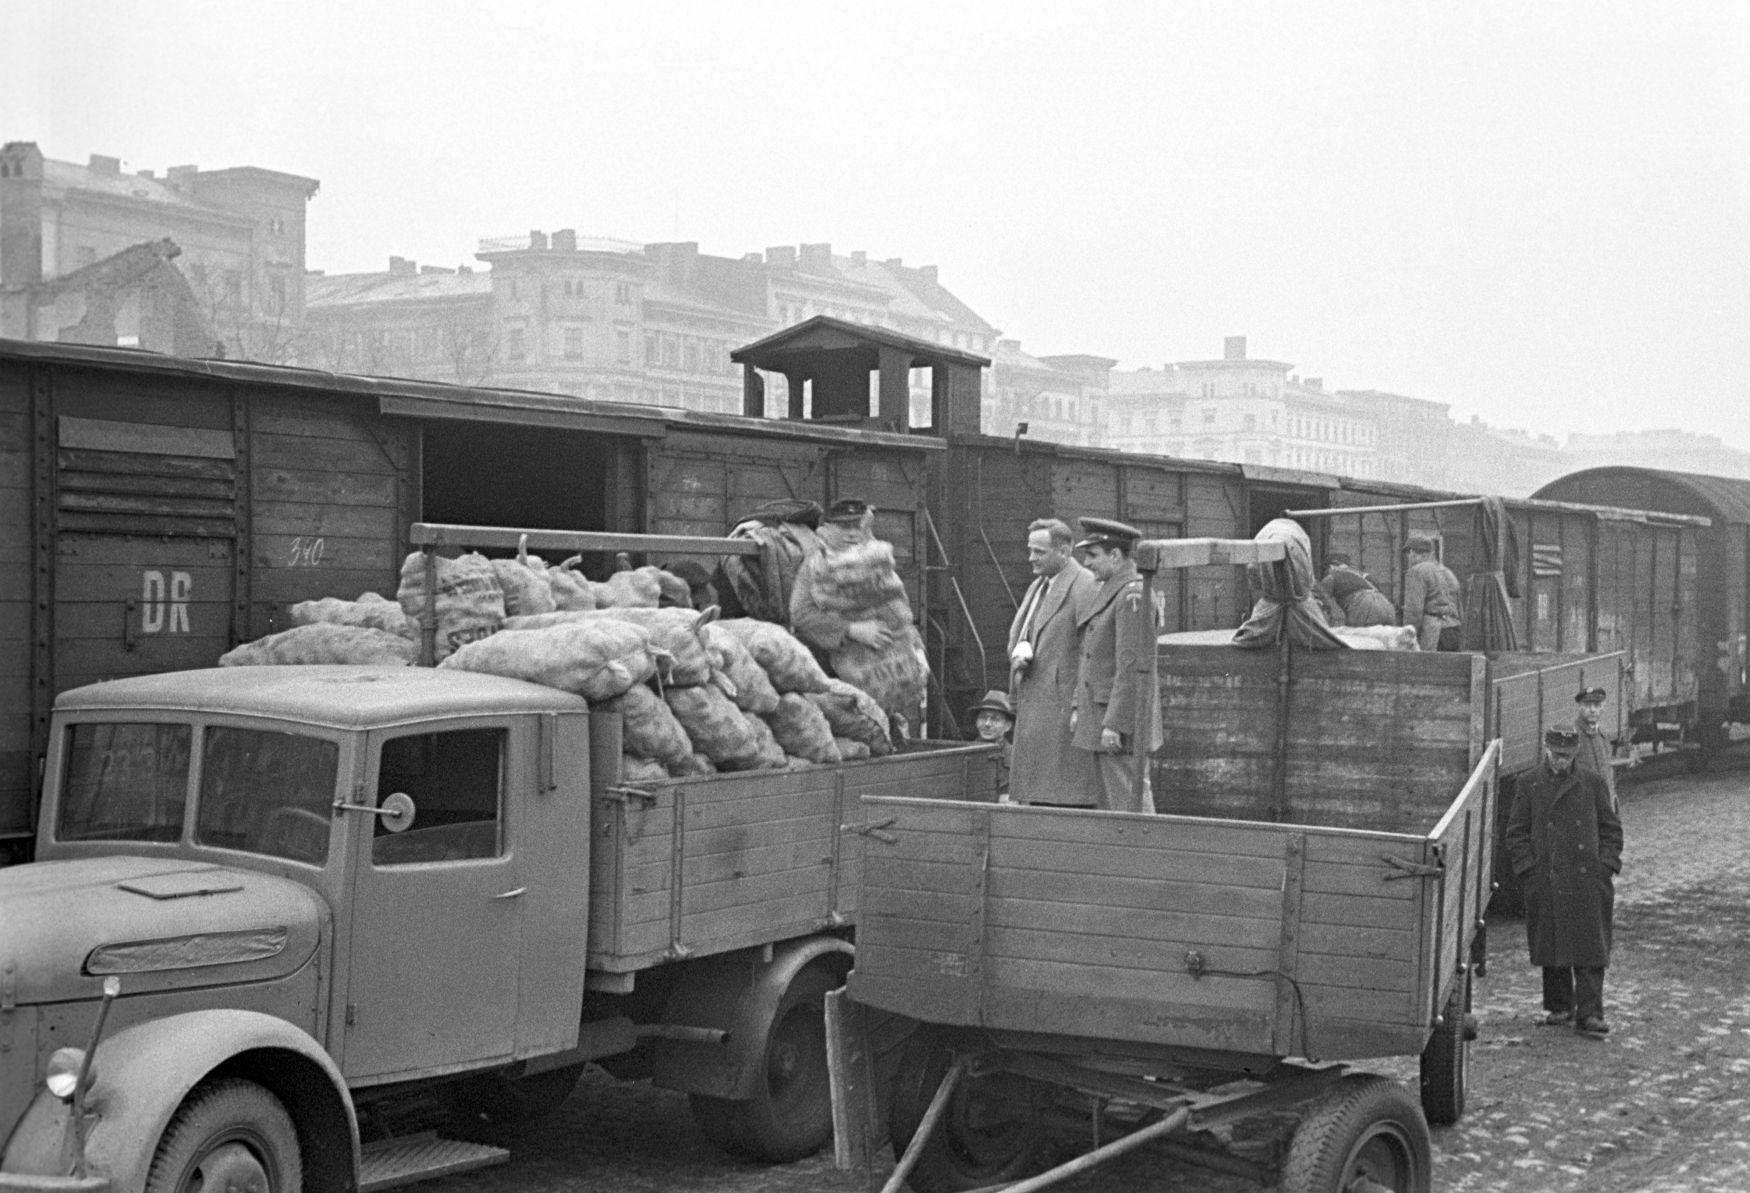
pixel 993 717
pixel 1566 844
pixel 1432 597
pixel 1116 686
pixel 1044 655
pixel 1597 753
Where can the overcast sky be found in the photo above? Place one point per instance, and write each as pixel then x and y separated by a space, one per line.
pixel 1536 212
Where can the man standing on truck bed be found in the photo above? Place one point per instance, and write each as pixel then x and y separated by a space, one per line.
pixel 1116 685
pixel 1432 597
pixel 1566 844
pixel 1044 656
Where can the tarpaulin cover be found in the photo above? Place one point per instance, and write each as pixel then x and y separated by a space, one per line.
pixel 1285 603
pixel 1488 618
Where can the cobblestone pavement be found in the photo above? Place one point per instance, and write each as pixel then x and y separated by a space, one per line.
pixel 1661 1106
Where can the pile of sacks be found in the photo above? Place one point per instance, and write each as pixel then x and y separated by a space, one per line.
pixel 698 695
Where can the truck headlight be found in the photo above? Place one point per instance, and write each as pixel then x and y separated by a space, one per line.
pixel 62 1078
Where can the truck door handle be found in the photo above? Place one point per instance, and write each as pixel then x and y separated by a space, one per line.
pixel 511 894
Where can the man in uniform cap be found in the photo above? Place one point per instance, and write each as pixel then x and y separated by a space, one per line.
pixel 1596 750
pixel 1116 689
pixel 1432 597
pixel 1566 844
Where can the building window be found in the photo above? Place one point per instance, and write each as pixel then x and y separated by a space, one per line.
pixel 515 346
pixel 1209 389
pixel 652 351
pixel 573 342
pixel 623 346
pixel 623 294
pixel 277 288
pixel 671 351
pixel 692 351
pixel 1208 419
pixel 513 293
pixel 1251 422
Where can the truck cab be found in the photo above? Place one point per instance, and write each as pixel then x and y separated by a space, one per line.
pixel 307 883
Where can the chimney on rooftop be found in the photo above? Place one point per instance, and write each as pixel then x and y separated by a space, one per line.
pixel 783 255
pixel 464 269
pixel 104 164
pixel 895 262
pixel 146 174
pixel 177 175
pixel 1315 383
pixel 859 258
pixel 817 256
pixel 565 240
pixel 1234 348
pixel 401 267
pixel 537 240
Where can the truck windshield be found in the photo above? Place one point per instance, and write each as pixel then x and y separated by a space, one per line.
pixel 125 782
pixel 267 792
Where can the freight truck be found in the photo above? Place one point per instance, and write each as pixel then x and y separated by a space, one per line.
pixel 268 900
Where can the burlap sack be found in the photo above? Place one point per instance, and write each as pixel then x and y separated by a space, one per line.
pixel 679 632
pixel 470 603
pixel 636 589
pixel 370 610
pixel 895 677
pixel 802 729
pixel 699 765
pixel 788 664
pixel 850 751
pixel 570 588
pixel 772 756
pixel 754 692
pixel 853 714
pixel 525 583
pixel 598 660
pixel 858 580
pixel 324 642
pixel 717 728
pixel 634 769
pixel 650 729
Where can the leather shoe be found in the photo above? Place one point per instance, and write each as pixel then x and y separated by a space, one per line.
pixel 1556 1019
pixel 1593 1025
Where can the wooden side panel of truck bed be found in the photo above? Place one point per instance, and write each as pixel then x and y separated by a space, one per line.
pixel 691 867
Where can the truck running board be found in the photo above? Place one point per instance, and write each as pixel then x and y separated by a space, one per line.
pixel 422 1157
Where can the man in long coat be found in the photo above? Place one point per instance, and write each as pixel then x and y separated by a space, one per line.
pixel 1116 687
pixel 1044 655
pixel 1566 844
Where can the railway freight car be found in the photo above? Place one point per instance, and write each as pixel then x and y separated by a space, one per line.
pixel 155 510
pixel 1715 652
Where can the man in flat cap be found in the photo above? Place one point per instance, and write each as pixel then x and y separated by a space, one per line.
pixel 1117 693
pixel 1432 597
pixel 1597 751
pixel 1044 660
pixel 1566 844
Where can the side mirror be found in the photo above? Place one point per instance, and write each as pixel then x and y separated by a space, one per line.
pixel 397 812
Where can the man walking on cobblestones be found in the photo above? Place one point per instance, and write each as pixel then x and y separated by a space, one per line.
pixel 1565 840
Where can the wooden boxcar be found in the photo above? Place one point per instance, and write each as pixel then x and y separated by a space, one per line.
pixel 155 511
pixel 1716 653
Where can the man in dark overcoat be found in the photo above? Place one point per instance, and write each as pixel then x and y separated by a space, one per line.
pixel 1044 654
pixel 1566 844
pixel 1118 695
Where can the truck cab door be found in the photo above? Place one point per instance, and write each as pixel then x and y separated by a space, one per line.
pixel 437 909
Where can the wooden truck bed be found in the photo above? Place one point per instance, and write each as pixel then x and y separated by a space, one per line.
pixel 1321 907
pixel 690 867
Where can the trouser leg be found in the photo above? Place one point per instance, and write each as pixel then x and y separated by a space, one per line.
pixel 1588 991
pixel 1119 789
pixel 1558 989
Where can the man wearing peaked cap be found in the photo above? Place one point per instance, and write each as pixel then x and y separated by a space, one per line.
pixel 1432 597
pixel 1117 693
pixel 1565 840
pixel 1597 751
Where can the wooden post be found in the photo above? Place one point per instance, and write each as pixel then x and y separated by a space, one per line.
pixel 921 1136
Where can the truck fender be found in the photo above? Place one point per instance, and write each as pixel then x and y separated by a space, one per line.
pixel 144 1073
pixel 736 993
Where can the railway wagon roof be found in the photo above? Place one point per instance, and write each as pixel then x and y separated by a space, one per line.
pixel 414 398
pixel 1721 498
pixel 341 697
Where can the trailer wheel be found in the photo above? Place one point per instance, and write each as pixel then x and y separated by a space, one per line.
pixel 790 1114
pixel 1446 1059
pixel 989 1133
pixel 229 1134
pixel 498 1101
pixel 1365 1133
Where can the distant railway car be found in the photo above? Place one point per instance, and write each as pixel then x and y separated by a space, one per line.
pixel 1720 604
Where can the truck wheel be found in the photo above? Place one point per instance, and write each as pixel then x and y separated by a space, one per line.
pixel 1366 1132
pixel 499 1101
pixel 229 1134
pixel 1446 1059
pixel 790 1114
pixel 989 1133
